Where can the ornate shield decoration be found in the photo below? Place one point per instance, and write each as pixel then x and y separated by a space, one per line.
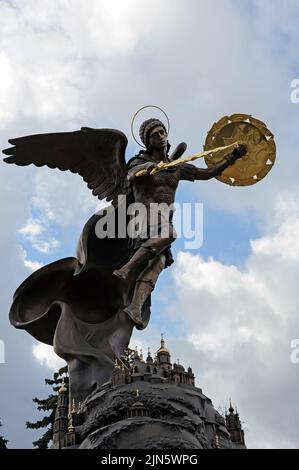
pixel 259 141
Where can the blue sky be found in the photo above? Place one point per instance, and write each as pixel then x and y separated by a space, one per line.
pixel 63 68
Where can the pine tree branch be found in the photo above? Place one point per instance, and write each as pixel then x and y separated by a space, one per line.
pixel 43 442
pixel 41 423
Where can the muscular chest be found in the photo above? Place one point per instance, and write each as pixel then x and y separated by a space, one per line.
pixel 166 179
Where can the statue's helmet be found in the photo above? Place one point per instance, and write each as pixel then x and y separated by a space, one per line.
pixel 146 128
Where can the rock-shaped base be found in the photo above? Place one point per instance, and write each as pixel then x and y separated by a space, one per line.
pixel 147 415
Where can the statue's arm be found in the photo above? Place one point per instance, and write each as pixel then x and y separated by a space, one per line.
pixel 192 173
pixel 215 170
pixel 133 170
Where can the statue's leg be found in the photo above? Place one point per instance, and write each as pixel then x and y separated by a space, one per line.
pixel 143 288
pixel 149 249
pixel 138 261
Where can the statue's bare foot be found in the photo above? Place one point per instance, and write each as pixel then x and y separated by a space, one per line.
pixel 121 273
pixel 135 316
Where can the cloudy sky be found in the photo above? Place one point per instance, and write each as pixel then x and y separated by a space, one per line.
pixel 230 308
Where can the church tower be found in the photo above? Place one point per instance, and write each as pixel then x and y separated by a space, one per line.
pixel 163 356
pixel 234 427
pixel 61 416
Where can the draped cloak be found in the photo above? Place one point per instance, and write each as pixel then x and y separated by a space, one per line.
pixel 76 305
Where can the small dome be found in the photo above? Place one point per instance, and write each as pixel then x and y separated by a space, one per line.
pixel 231 409
pixel 162 349
pixel 149 358
pixel 136 355
pixel 63 389
pixel 179 367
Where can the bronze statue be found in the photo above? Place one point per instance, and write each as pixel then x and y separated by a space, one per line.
pixel 86 307
pixel 152 254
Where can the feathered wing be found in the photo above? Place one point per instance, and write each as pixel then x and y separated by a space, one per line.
pixel 98 155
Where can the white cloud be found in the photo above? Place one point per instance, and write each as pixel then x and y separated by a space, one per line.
pixel 29 264
pixel 62 198
pixel 46 247
pixel 284 244
pixel 45 355
pixel 35 231
pixel 240 323
pixel 6 89
pixel 96 64
pixel 33 227
pixel 140 345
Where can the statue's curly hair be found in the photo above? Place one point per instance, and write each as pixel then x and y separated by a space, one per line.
pixel 146 127
pixel 144 133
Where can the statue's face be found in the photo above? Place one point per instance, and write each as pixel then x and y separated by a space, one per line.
pixel 158 138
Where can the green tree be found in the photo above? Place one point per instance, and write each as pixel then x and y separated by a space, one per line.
pixel 3 441
pixel 128 357
pixel 48 405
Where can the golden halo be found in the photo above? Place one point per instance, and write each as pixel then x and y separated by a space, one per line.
pixel 141 109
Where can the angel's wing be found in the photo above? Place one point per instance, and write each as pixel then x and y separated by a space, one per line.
pixel 98 155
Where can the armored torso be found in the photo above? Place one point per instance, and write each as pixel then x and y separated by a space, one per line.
pixel 158 188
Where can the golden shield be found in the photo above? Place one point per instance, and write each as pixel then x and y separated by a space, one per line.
pixel 259 141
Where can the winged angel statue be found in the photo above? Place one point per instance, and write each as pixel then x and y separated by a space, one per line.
pixel 86 306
